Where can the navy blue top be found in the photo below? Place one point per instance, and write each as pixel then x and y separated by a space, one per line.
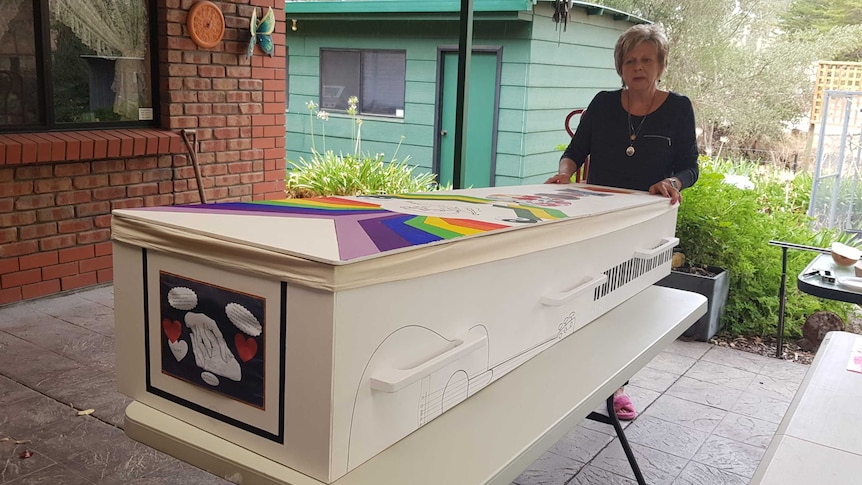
pixel 664 147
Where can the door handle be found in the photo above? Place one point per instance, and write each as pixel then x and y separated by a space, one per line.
pixel 443 132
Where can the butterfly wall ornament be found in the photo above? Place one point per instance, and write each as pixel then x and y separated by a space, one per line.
pixel 261 32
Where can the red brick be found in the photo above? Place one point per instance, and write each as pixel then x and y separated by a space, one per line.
pixel 21 278
pixel 104 249
pixel 104 166
pixel 95 236
pixel 73 198
pixel 13 149
pixel 73 146
pixel 77 254
pixel 55 214
pixel 93 264
pixel 143 163
pixel 40 289
pixel 38 260
pixel 59 270
pixel 90 181
pixel 109 193
pixel 126 178
pixel 9 265
pixel 143 189
pixel 52 185
pixel 71 169
pixel 10 295
pixel 159 200
pixel 15 189
pixel 127 203
pixel 156 175
pixel 17 219
pixel 34 202
pixel 79 281
pixel 36 231
pixel 94 209
pixel 34 172
pixel 105 275
pixel 57 242
pixel 75 225
pixel 102 221
pixel 9 234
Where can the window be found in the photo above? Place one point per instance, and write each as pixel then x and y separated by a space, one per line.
pixel 376 77
pixel 71 64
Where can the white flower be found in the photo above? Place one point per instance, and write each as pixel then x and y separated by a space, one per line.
pixel 310 105
pixel 323 115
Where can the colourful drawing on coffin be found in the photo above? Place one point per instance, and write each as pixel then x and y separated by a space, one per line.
pixel 213 337
pixel 368 225
pixel 261 33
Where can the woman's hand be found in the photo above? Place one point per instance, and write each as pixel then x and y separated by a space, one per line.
pixel 560 178
pixel 668 189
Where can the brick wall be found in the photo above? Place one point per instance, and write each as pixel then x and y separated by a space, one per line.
pixel 57 190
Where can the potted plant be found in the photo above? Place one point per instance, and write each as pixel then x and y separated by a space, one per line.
pixel 710 281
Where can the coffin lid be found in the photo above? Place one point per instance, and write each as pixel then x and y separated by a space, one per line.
pixel 340 242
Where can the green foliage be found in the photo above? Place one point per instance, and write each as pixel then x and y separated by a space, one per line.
pixel 722 225
pixel 358 173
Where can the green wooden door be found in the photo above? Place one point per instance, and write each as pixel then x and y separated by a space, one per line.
pixel 478 165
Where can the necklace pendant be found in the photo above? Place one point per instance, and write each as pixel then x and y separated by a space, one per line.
pixel 633 137
pixel 630 150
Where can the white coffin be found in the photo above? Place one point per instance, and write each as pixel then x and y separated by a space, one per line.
pixel 318 332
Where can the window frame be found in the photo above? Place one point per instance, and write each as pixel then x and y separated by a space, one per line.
pixel 45 81
pixel 360 83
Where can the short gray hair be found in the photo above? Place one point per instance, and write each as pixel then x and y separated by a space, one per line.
pixel 636 34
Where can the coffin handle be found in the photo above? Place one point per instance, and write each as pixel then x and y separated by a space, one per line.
pixel 393 380
pixel 666 243
pixel 563 298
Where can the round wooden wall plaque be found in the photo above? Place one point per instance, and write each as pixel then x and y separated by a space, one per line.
pixel 206 24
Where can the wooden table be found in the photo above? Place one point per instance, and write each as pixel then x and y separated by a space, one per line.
pixel 491 437
pixel 818 441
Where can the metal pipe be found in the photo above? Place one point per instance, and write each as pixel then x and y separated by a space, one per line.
pixel 194 156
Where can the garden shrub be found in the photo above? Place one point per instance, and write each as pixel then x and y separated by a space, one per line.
pixel 722 225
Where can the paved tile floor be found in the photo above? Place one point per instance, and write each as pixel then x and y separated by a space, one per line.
pixel 707 412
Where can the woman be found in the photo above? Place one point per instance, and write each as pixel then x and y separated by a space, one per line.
pixel 638 137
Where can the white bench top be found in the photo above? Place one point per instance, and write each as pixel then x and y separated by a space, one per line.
pixel 819 440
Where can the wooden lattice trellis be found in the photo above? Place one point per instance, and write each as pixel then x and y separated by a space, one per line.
pixel 835 76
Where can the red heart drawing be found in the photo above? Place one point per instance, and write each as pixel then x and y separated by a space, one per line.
pixel 172 329
pixel 246 348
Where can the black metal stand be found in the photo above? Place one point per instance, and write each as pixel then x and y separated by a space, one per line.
pixel 612 419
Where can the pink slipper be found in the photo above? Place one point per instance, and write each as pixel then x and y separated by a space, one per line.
pixel 624 408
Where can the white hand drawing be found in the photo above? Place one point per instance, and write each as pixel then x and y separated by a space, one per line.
pixel 211 351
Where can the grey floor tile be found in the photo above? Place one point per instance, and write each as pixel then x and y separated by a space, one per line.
pixel 592 475
pixel 21 418
pixel 550 469
pixel 657 467
pixel 665 436
pixel 778 388
pixel 175 472
pixel 69 340
pixel 752 431
pixel 730 456
pixel 36 367
pixel 98 393
pixel 582 444
pixel 13 466
pixel 52 475
pixel 673 363
pixel 692 348
pixel 721 374
pixel 699 474
pixel 686 413
pixel 653 379
pixel 103 295
pixel 785 370
pixel 11 391
pixel 746 361
pixel 64 439
pixel 119 461
pixel 715 395
pixel 761 406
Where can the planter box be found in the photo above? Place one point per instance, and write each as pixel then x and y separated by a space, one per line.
pixel 714 288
